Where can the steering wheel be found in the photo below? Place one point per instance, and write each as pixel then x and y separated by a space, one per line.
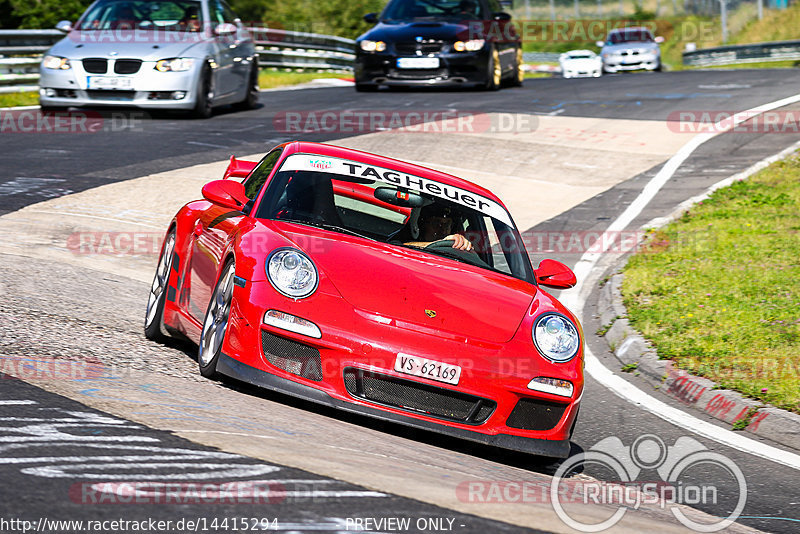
pixel 441 244
pixel 445 248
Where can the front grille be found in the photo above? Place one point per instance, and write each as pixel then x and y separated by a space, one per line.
pixel 95 65
pixel 111 94
pixel 419 398
pixel 417 74
pixel 127 66
pixel 411 49
pixel 291 356
pixel 535 414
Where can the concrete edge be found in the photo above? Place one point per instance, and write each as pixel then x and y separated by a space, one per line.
pixel 634 351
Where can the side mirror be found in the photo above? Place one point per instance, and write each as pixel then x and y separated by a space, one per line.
pixel 239 168
pixel 501 16
pixel 225 28
pixel 227 193
pixel 599 43
pixel 64 26
pixel 552 273
pixel 371 18
pixel 659 39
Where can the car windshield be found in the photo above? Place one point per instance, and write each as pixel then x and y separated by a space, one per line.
pixel 580 56
pixel 433 9
pixel 631 36
pixel 389 206
pixel 175 15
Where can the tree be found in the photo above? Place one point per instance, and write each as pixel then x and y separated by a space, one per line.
pixel 42 14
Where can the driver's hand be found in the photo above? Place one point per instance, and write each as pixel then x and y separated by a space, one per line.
pixel 459 242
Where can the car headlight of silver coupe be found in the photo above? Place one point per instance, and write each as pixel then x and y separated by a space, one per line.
pixel 292 273
pixel 556 337
pixel 56 63
pixel 175 64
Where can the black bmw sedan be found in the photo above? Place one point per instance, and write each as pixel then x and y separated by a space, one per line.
pixel 439 43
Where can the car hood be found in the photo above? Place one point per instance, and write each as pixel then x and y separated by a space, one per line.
pixel 630 46
pixel 147 46
pixel 409 286
pixel 410 30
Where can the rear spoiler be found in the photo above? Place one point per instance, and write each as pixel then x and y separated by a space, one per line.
pixel 239 168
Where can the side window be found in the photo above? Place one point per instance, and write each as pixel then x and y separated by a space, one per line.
pixel 220 12
pixel 227 12
pixel 260 174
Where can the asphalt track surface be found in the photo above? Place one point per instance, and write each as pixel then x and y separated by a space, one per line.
pixel 41 166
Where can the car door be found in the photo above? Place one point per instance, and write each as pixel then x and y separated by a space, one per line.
pixel 212 233
pixel 230 50
pixel 507 38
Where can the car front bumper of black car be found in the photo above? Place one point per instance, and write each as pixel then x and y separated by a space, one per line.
pixel 445 69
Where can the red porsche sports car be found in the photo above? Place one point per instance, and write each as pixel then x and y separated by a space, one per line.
pixel 378 287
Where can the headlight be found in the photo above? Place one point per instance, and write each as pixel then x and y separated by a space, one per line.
pixel 176 64
pixel 292 273
pixel 556 337
pixel 56 63
pixel 372 46
pixel 468 46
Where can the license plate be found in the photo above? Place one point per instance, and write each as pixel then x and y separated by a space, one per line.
pixel 414 365
pixel 109 82
pixel 418 63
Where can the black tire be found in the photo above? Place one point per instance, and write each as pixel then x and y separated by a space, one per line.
pixel 494 74
pixel 154 314
pixel 518 76
pixel 203 107
pixel 251 99
pixel 215 323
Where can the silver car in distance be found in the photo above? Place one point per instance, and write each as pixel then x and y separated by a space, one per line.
pixel 189 55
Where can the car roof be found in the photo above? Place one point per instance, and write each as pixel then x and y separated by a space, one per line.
pixel 394 164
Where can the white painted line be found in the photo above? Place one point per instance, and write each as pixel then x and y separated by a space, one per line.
pixel 634 395
pixel 16 402
pixel 621 387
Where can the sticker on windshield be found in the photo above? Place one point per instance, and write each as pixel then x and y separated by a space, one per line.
pixel 308 162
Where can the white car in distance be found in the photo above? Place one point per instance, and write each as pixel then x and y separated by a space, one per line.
pixel 580 64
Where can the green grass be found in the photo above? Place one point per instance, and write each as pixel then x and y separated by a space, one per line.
pixel 28 98
pixel 718 291
pixel 271 78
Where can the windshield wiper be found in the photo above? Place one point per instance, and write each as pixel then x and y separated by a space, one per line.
pixel 331 227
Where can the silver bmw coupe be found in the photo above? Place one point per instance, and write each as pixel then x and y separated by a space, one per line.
pixel 190 55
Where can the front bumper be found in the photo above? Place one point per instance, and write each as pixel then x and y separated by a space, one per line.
pixel 147 88
pixel 455 69
pixel 236 369
pixel 353 341
pixel 616 64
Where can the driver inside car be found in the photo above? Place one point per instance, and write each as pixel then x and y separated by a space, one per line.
pixel 436 224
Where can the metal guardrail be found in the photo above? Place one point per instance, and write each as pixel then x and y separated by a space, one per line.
pixel 540 57
pixel 21 51
pixel 749 53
